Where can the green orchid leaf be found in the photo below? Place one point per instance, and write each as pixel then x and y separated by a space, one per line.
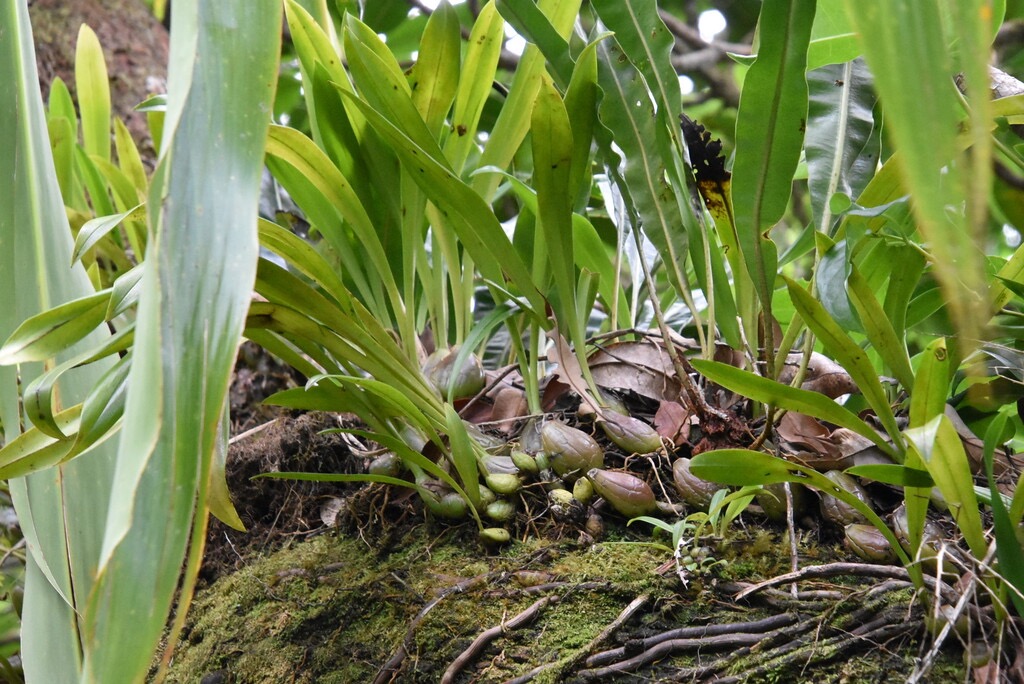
pixel 47 334
pixel 742 467
pixel 769 134
pixel 842 143
pixel 942 453
pixel 848 354
pixel 899 475
pixel 92 86
pixel 96 229
pixel 789 398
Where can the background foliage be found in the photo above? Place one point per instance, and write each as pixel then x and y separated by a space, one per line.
pixel 438 186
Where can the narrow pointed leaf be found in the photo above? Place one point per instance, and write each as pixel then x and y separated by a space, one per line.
pixel 848 353
pixel 205 192
pixel 741 467
pixel 51 332
pixel 62 510
pixel 93 90
pixel 769 133
pixel 789 398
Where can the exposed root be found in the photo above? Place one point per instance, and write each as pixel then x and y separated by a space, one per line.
pixel 489 635
pixel 629 611
pixel 393 666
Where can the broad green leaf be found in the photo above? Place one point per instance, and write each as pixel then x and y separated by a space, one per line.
pixel 104 407
pixel 218 497
pixel 1012 271
pixel 464 454
pixel 478 69
pixel 942 453
pixel 931 386
pixel 581 106
pixel 789 398
pixel 95 183
pixel 842 144
pixel 833 39
pixel 831 278
pixel 190 319
pixel 513 120
pixel 647 43
pixel 125 291
pixel 128 158
pixel 903 282
pixel 34 274
pixel 528 20
pixel 434 78
pixel 891 348
pixel 33 450
pixel 91 84
pixel 770 127
pixel 51 332
pixel 41 396
pixel 742 467
pixel 62 140
pixel 899 475
pixel 849 355
pixel 552 144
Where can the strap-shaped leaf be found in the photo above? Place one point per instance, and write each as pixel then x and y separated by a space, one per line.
pixel 92 86
pixel 1008 547
pixel 38 397
pixel 931 385
pixel 475 83
pixel 34 277
pixel 96 229
pixel 769 134
pixel 513 121
pixel 301 255
pixel 476 224
pixel 789 398
pixel 942 453
pixel 434 79
pixel 880 332
pixel 33 450
pixel 47 334
pixel 741 467
pixel 224 59
pixel 527 19
pixel 552 144
pixel 850 356
pixel 464 452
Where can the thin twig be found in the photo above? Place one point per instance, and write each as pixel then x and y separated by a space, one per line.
pixel 612 627
pixel 695 633
pixel 837 569
pixel 391 668
pixel 489 635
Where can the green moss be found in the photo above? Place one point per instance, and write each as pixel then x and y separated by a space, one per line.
pixel 335 608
